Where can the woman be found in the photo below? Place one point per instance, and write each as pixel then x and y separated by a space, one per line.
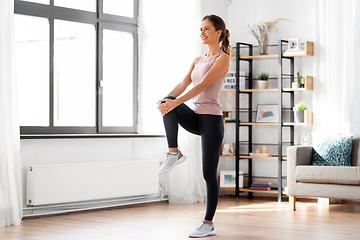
pixel 204 118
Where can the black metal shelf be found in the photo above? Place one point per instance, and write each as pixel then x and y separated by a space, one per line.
pixel 281 76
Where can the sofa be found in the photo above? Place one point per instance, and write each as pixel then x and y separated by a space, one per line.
pixel 332 182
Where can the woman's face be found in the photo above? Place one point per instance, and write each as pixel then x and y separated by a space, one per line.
pixel 208 33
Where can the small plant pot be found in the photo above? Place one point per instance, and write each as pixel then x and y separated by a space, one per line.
pixel 263 84
pixel 299 116
pixel 296 85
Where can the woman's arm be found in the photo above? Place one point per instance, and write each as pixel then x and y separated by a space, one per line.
pixel 219 68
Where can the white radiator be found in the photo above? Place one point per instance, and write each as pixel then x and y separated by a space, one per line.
pixel 53 184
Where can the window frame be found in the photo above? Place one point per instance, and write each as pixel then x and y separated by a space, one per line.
pixel 100 21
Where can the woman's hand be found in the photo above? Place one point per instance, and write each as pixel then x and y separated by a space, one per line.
pixel 162 107
pixel 166 105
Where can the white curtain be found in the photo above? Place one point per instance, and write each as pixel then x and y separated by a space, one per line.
pixel 355 126
pixel 10 165
pixel 169 42
pixel 334 27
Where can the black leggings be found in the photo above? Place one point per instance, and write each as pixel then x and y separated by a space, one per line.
pixel 211 129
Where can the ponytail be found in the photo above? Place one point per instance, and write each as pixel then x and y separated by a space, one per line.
pixel 225 42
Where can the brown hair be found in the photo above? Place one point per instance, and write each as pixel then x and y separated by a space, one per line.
pixel 219 24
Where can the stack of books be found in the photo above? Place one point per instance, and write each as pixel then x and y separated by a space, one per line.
pixel 261 186
pixel 227 120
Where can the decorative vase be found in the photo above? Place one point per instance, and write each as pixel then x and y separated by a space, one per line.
pixel 263 45
pixel 263 84
pixel 299 116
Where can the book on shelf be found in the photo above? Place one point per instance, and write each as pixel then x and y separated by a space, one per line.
pixel 229 120
pixel 260 188
pixel 261 154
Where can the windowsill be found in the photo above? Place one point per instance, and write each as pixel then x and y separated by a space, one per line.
pixel 104 135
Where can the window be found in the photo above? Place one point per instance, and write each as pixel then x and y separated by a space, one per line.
pixel 32 46
pixel 117 62
pixel 75 76
pixel 77 66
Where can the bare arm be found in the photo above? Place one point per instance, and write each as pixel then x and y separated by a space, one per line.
pixel 219 68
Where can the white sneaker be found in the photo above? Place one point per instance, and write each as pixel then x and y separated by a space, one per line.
pixel 203 230
pixel 171 160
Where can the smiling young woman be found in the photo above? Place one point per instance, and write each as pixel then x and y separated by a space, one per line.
pixel 204 116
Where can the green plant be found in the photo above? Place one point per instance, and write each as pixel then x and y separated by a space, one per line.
pixel 263 76
pixel 299 78
pixel 300 107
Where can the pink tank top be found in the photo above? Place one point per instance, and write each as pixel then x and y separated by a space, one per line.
pixel 207 102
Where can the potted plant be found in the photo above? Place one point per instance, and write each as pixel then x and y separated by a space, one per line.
pixel 299 111
pixel 263 81
pixel 297 83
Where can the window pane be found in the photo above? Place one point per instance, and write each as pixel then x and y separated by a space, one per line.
pixel 118 78
pixel 86 5
pixel 74 74
pixel 38 1
pixel 123 8
pixel 32 68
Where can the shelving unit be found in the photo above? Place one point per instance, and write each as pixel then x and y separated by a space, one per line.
pixel 249 124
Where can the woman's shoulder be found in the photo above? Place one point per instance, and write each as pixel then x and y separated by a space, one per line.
pixel 223 57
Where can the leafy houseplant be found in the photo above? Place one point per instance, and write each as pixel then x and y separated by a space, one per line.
pixel 299 111
pixel 263 76
pixel 263 80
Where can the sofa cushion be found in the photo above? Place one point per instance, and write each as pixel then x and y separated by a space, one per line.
pixel 332 151
pixel 328 174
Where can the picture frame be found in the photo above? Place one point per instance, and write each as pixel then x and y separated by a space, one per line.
pixel 228 179
pixel 294 44
pixel 267 113
pixel 228 149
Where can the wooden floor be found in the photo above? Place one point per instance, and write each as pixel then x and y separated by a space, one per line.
pixel 235 219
